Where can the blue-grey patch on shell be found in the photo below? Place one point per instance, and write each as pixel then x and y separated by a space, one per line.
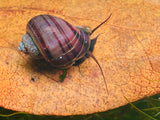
pixel 27 46
pixel 21 47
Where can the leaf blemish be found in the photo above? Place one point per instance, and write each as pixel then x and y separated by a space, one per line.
pixel 32 79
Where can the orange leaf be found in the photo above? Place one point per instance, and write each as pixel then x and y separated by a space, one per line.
pixel 127 49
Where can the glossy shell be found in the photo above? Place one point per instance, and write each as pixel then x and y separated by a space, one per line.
pixel 60 43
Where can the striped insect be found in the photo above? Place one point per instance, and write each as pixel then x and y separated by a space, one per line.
pixel 58 42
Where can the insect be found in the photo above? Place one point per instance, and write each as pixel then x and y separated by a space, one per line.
pixel 58 42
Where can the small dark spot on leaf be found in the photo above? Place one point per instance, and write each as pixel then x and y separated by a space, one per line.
pixel 32 79
pixel 7 63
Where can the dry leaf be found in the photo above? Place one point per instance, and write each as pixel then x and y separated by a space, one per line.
pixel 127 49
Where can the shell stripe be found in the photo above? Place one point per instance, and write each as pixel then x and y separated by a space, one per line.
pixel 37 34
pixel 79 38
pixel 61 31
pixel 73 45
pixel 67 41
pixel 59 42
pixel 85 43
pixel 54 35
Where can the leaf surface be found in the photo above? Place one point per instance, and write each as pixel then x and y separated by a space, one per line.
pixel 127 49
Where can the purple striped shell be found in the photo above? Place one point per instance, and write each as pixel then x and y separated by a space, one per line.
pixel 60 43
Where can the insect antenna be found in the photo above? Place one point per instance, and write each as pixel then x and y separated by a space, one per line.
pixel 100 24
pixel 90 54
